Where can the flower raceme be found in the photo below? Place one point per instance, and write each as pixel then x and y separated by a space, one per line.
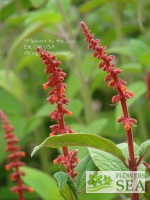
pixel 112 77
pixel 57 95
pixel 15 156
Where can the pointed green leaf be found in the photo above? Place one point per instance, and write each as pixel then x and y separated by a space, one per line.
pixel 86 164
pixel 144 148
pixel 87 140
pixel 66 186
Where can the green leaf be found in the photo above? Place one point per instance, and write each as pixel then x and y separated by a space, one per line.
pixel 45 110
pixel 9 103
pixel 121 50
pixel 139 88
pixel 26 61
pixel 144 148
pixel 66 186
pixel 131 67
pixel 43 16
pixel 90 5
pixel 124 148
pixel 138 48
pixel 31 29
pixel 72 86
pixel 42 183
pixel 37 3
pixel 86 164
pixel 105 161
pixel 96 126
pixel 75 106
pixel 16 88
pixel 87 140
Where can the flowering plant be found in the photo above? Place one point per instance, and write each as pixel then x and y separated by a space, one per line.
pixel 101 147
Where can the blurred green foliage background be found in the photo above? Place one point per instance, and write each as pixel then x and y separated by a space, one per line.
pixel 54 25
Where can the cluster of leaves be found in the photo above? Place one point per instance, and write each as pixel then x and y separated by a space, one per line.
pixel 122 25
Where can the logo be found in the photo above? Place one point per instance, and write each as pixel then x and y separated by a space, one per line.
pixel 115 182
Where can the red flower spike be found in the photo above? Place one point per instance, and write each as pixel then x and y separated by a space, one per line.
pixel 57 95
pixel 14 156
pixel 122 95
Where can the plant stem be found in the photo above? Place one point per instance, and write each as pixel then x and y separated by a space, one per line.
pixel 62 127
pixel 129 136
pixel 84 88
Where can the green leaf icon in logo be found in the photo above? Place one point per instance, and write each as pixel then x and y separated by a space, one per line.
pixel 94 179
pixel 107 180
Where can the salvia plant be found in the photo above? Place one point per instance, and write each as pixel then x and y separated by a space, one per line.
pixel 127 156
pixel 15 155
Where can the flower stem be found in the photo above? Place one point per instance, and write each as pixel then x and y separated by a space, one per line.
pixel 62 127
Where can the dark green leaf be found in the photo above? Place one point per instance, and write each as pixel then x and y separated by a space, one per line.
pixel 147 190
pixel 87 140
pixel 66 186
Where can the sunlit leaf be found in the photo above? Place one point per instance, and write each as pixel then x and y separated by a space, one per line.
pixel 87 140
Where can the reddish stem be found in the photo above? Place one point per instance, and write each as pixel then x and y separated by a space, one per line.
pixel 62 127
pixel 129 136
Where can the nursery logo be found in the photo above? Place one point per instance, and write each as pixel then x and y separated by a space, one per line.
pixel 115 182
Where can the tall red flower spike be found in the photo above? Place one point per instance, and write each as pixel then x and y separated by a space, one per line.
pixel 15 156
pixel 148 87
pixel 116 83
pixel 57 95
